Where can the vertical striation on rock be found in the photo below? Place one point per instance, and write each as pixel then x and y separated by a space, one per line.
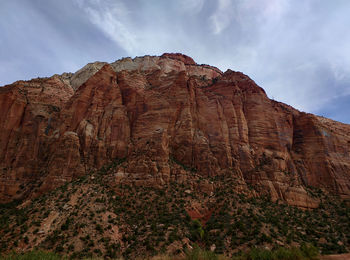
pixel 168 117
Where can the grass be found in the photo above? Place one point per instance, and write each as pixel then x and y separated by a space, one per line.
pixel 305 252
pixel 33 255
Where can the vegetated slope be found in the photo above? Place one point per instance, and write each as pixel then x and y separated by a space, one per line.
pixel 95 216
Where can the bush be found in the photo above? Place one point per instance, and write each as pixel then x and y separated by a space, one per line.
pixel 309 251
pixel 288 254
pixel 196 230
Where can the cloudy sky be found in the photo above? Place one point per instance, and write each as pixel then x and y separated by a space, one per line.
pixel 297 50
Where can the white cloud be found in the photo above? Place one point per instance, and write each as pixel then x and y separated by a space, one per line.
pixel 272 47
pixel 222 17
pixel 288 48
pixel 111 18
pixel 296 50
pixel 113 28
pixel 274 9
pixel 339 69
pixel 159 31
pixel 191 6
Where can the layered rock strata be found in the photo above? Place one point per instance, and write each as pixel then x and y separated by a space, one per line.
pixel 170 118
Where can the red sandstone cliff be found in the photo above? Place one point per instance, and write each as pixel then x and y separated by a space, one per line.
pixel 155 110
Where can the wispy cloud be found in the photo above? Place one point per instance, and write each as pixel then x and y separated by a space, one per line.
pixel 222 17
pixel 111 19
pixel 138 33
pixel 192 6
pixel 298 51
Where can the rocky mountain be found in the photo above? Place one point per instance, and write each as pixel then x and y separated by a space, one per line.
pixel 153 111
pixel 158 154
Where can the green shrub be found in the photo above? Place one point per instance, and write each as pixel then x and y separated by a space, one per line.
pixel 309 251
pixel 259 254
pixel 196 230
pixel 199 254
pixel 287 254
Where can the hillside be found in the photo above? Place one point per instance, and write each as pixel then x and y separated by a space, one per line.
pixel 93 216
pixel 157 154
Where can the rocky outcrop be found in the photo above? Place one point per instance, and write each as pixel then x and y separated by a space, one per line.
pixel 170 119
pixel 181 57
pixel 29 111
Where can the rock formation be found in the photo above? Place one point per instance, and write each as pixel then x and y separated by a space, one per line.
pixel 169 118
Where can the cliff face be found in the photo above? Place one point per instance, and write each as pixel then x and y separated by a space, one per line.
pixel 170 118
